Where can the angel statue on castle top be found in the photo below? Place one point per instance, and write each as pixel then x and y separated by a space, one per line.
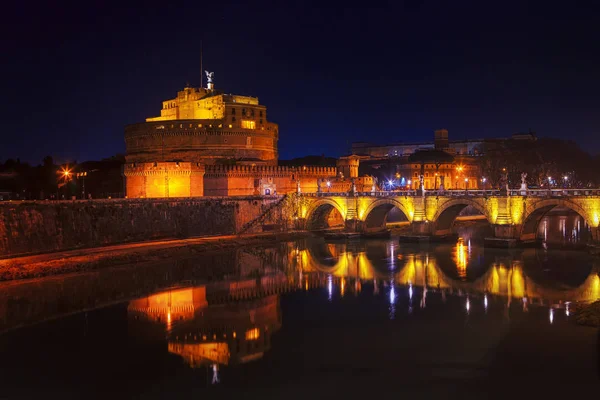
pixel 209 76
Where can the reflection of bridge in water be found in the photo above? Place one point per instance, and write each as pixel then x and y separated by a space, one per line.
pixel 381 261
pixel 250 275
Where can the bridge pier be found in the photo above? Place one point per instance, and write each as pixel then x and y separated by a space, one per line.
pixel 505 236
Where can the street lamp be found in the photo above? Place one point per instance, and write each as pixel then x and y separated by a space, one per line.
pixel 328 186
pixel 466 184
pixel 408 183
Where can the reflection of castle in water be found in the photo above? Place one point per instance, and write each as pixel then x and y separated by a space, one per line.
pixel 204 331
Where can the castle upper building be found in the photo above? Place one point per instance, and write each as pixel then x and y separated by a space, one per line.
pixel 207 143
pixel 203 125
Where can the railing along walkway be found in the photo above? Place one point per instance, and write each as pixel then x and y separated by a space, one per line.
pixel 463 193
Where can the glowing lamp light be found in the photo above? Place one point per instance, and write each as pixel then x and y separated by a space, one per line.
pixel 483 179
pixel 466 179
pixel 566 178
pixel 328 183
pixel 409 182
pixel 390 182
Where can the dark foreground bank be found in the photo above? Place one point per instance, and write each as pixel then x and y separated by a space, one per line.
pixel 133 253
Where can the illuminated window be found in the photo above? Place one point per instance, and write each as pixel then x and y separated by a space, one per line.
pixel 231 126
pixel 252 334
pixel 248 124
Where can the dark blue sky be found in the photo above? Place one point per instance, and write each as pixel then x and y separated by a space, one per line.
pixel 388 71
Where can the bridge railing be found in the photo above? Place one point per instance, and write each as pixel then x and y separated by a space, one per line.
pixel 463 193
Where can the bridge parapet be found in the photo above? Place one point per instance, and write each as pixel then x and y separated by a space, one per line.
pixel 514 215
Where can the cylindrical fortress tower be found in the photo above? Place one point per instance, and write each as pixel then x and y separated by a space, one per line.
pixel 166 154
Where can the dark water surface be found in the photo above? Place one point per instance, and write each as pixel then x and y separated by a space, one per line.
pixel 311 319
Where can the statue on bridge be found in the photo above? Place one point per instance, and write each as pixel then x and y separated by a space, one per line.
pixel 319 181
pixel 523 184
pixel 374 187
pixel 504 183
pixel 442 189
pixel 353 187
pixel 422 184
pixel 298 186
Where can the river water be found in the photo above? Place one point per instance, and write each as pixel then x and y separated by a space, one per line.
pixel 313 318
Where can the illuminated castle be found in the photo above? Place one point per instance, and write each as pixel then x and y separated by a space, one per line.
pixel 207 143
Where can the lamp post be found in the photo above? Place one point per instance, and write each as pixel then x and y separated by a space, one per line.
pixel 66 176
pixel 565 180
pixel 466 185
pixel 82 175
pixel 328 186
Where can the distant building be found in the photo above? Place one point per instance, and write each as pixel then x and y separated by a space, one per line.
pixel 463 172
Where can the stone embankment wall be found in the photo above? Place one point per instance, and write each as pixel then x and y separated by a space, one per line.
pixel 46 226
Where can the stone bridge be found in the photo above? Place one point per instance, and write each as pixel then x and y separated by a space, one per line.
pixel 514 215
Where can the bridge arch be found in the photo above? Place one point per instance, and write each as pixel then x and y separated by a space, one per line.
pixel 447 212
pixel 375 216
pixel 534 212
pixel 320 211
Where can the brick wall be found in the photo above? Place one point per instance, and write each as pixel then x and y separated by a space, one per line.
pixel 37 227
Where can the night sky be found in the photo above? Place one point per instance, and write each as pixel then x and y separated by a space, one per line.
pixel 73 74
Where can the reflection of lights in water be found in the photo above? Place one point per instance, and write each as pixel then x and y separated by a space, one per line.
pixel 169 319
pixel 461 258
pixel 545 230
pixel 392 301
pixel 215 371
pixel 391 266
pixel 525 304
pixel 423 303
pixel 551 315
pixel 567 309
pixel 410 291
pixel 330 286
pixel 342 286
pixel 468 305
pixel 375 286
pixel 485 301
pixel 563 226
